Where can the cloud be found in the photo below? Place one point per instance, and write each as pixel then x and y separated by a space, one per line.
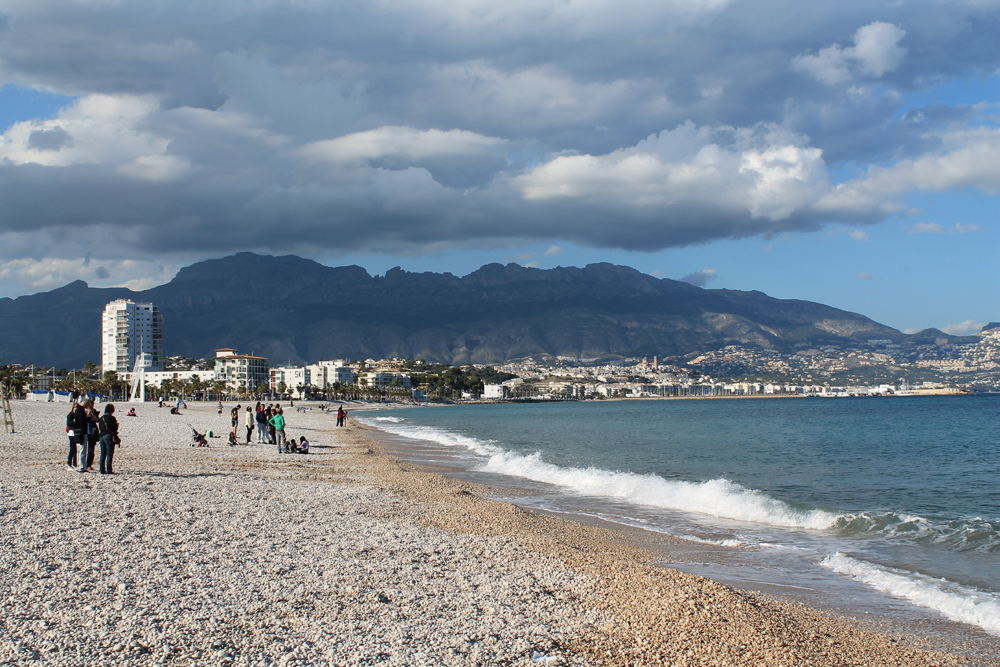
pixel 404 142
pixel 553 251
pixel 49 140
pixel 876 51
pixel 40 274
pixel 959 228
pixel 859 235
pixel 924 228
pixel 700 278
pixel 865 276
pixel 408 126
pixel 964 329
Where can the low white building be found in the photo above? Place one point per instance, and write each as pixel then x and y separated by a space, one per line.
pixel 384 380
pixel 244 371
pixel 495 391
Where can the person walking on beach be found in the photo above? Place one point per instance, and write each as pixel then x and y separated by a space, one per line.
pixel 108 426
pixel 250 420
pixel 278 422
pixel 341 416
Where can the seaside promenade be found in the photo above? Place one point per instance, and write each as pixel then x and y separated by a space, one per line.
pixel 346 556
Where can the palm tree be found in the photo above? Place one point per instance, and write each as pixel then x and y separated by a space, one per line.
pixel 219 387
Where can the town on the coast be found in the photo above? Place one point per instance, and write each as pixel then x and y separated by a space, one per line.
pixel 132 337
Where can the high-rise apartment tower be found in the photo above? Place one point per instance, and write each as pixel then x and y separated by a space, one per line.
pixel 127 330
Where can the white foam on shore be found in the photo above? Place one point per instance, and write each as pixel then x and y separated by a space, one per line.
pixel 717 497
pixel 959 603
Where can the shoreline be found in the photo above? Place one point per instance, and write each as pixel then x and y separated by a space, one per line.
pixel 349 556
pixel 616 553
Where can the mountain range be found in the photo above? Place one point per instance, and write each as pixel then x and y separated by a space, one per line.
pixel 296 310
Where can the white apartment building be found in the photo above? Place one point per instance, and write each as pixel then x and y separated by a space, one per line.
pixel 336 370
pixel 296 378
pixel 129 329
pixel 317 376
pixel 241 370
pixel 384 379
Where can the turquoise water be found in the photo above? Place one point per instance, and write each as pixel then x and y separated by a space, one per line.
pixel 901 494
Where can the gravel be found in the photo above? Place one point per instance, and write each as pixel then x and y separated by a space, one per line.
pixel 242 556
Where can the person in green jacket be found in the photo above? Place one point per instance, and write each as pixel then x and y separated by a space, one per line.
pixel 278 422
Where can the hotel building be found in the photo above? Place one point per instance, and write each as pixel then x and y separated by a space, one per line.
pixel 241 370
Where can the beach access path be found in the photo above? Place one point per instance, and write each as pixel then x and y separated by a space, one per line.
pixel 346 556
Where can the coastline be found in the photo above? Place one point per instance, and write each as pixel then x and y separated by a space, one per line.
pixel 653 605
pixel 350 556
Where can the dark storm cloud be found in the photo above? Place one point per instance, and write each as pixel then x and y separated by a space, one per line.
pixel 49 140
pixel 399 125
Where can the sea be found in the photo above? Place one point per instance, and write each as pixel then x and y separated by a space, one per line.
pixel 886 505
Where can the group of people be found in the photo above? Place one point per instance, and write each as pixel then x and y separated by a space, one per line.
pixel 269 422
pixel 87 428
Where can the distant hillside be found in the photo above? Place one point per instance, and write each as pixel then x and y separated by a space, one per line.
pixel 293 310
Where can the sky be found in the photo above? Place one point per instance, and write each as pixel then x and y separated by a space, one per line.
pixel 841 152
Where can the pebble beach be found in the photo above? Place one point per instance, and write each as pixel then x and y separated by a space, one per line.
pixel 346 556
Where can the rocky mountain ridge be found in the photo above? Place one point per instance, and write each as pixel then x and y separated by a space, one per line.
pixel 296 310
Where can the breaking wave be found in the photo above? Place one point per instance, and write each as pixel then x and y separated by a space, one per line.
pixel 962 604
pixel 717 497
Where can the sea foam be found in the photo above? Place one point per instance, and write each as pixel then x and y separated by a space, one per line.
pixel 717 497
pixel 959 603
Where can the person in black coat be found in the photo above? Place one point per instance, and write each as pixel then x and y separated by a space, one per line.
pixel 76 426
pixel 109 438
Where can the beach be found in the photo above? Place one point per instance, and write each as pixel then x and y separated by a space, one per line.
pixel 347 556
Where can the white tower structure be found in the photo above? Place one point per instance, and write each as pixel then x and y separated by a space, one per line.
pixel 138 383
pixel 128 331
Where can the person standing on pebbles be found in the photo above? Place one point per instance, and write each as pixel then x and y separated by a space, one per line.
pixel 261 418
pixel 278 422
pixel 108 426
pixel 250 421
pixel 92 432
pixel 234 414
pixel 76 428
pixel 82 429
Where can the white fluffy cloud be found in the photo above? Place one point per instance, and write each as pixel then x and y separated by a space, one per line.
pixel 876 51
pixel 970 159
pixel 405 142
pixel 95 129
pixel 39 274
pixel 763 172
pixel 964 328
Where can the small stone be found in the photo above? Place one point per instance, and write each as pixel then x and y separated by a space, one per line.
pixel 117 647
pixel 217 643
